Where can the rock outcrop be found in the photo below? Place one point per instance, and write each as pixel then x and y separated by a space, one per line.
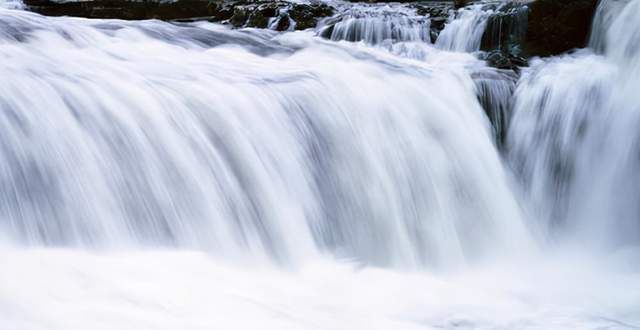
pixel 519 30
pixel 125 9
pixel 243 13
pixel 558 26
pixel 438 13
pixel 516 31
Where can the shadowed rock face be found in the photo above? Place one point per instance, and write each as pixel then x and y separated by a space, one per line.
pixel 438 12
pixel 461 3
pixel 522 29
pixel 249 13
pixel 123 9
pixel 558 26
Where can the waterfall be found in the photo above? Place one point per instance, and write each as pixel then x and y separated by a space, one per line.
pixel 506 29
pixel 189 175
pixel 238 153
pixel 608 11
pixel 550 125
pixel 495 91
pixel 377 24
pixel 463 32
pixel 573 137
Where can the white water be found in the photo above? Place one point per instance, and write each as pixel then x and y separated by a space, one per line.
pixel 285 155
pixel 608 12
pixel 11 4
pixel 159 176
pixel 574 139
pixel 188 290
pixel 464 29
pixel 376 24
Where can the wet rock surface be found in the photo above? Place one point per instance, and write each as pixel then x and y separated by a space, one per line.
pixel 520 30
pixel 259 14
pixel 504 60
pixel 123 9
pixel 558 26
pixel 504 37
pixel 438 13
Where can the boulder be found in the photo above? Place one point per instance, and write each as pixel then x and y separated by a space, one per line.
pixel 438 13
pixel 460 3
pixel 504 60
pixel 506 29
pixel 306 16
pixel 555 27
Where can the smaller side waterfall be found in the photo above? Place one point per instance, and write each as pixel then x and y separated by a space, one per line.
pixel 374 25
pixel 464 30
pixel 557 105
pixel 605 15
pixel 574 138
pixel 495 90
pixel 506 28
pixel 11 4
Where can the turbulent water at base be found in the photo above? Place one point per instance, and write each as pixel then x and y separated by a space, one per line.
pixel 146 166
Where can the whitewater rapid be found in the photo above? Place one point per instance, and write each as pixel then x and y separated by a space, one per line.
pixel 163 175
pixel 262 145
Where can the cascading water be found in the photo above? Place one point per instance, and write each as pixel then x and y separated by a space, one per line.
pixel 506 28
pixel 464 30
pixel 556 104
pixel 226 153
pixel 494 89
pixel 608 11
pixel 377 24
pixel 573 137
pixel 185 175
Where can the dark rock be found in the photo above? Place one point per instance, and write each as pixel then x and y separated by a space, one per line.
pixel 124 9
pixel 460 3
pixel 438 13
pixel 437 25
pixel 241 13
pixel 541 28
pixel 224 13
pixel 269 9
pixel 555 27
pixel 261 14
pixel 306 16
pixel 504 60
pixel 506 29
pixel 240 16
pixel 438 22
pixel 284 23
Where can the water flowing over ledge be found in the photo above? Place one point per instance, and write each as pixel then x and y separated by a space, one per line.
pixel 222 166
pixel 227 153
